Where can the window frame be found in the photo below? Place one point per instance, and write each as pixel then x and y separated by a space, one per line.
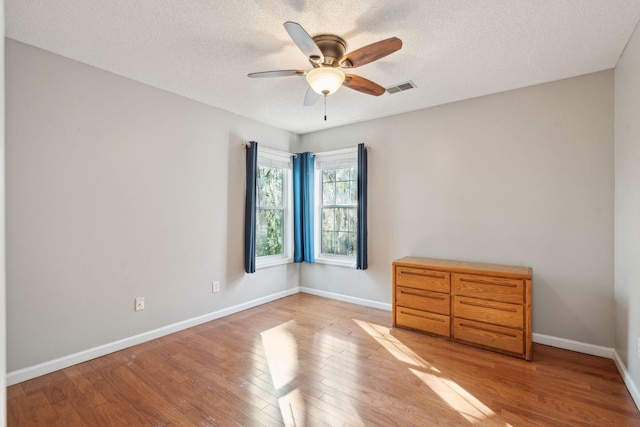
pixel 328 160
pixel 282 160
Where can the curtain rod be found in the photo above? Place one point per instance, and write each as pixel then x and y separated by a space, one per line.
pixel 247 144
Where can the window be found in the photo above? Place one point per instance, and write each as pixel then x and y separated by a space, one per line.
pixel 270 212
pixel 331 229
pixel 336 207
pixel 338 211
pixel 273 213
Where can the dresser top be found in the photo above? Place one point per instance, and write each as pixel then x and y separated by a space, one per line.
pixel 466 267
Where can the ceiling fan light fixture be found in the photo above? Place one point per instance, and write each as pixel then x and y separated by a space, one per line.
pixel 325 80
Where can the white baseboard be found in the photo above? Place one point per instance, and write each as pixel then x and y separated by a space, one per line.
pixel 347 298
pixel 626 377
pixel 580 347
pixel 30 372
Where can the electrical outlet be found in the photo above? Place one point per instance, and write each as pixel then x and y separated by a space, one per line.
pixel 216 286
pixel 139 303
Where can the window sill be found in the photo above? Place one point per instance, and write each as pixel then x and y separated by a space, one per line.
pixel 337 261
pixel 272 262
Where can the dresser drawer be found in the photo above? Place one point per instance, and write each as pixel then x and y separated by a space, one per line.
pixel 424 321
pixel 486 287
pixel 497 313
pixel 423 300
pixel 489 335
pixel 428 280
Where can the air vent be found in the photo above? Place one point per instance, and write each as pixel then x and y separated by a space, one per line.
pixel 401 87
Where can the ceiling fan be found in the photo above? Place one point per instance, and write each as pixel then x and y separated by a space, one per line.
pixel 326 53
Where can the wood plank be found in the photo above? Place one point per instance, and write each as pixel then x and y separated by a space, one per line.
pixel 66 413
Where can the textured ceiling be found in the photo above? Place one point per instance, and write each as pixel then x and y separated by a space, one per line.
pixel 452 49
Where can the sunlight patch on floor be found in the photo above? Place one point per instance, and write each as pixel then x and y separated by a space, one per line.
pixel 292 408
pixel 281 350
pixel 457 397
pixel 394 346
pixel 331 344
pixel 449 391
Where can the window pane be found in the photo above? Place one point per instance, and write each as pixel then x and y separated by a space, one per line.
pixel 345 219
pixel 352 244
pixel 342 174
pixel 328 243
pixel 342 223
pixel 345 244
pixel 353 191
pixel 342 193
pixel 270 186
pixel 328 175
pixel 339 222
pixel 339 231
pixel 329 193
pixel 269 232
pixel 346 183
pixel 353 220
pixel 328 219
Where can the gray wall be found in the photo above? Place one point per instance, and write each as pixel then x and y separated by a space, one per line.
pixel 117 190
pixel 523 178
pixel 627 208
pixel 3 300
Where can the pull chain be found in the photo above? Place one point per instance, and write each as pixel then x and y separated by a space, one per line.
pixel 325 108
pixel 325 93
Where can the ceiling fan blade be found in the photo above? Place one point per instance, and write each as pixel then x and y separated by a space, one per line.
pixel 277 73
pixel 371 52
pixel 304 41
pixel 363 85
pixel 311 97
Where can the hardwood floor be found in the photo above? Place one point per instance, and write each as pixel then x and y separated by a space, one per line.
pixel 305 361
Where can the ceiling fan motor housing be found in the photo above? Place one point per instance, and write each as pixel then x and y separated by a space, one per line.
pixel 333 48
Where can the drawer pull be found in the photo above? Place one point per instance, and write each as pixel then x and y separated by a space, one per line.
pixel 435 319
pixel 418 294
pixel 486 282
pixel 433 276
pixel 475 304
pixel 464 325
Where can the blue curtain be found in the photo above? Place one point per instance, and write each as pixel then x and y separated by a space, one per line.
pixel 361 235
pixel 303 170
pixel 250 208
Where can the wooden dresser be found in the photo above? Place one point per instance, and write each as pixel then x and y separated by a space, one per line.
pixel 485 305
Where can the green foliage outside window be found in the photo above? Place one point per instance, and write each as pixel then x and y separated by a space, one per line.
pixel 339 215
pixel 270 212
